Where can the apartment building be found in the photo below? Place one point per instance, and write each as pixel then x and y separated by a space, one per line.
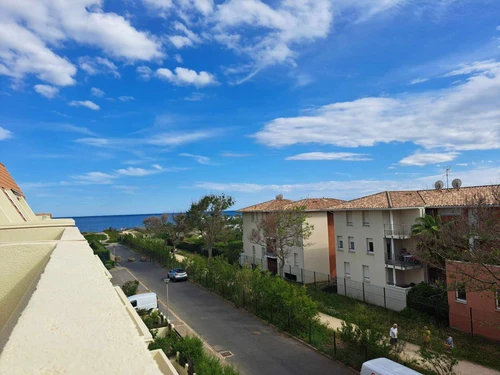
pixel 59 312
pixel 314 262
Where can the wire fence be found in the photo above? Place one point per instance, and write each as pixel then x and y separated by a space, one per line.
pixel 291 273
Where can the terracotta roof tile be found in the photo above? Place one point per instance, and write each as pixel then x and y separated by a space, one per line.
pixel 273 205
pixel 316 204
pixel 378 200
pixel 400 199
pixel 460 197
pixel 6 180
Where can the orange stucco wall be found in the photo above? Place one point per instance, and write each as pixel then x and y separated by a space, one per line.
pixel 331 245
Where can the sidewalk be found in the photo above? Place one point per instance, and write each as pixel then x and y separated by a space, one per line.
pixel 410 352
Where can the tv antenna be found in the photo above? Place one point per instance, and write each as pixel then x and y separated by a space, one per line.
pixel 447 170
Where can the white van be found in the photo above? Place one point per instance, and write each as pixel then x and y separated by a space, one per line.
pixel 145 301
pixel 384 366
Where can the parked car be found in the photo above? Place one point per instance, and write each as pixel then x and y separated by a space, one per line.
pixel 144 301
pixel 384 366
pixel 177 274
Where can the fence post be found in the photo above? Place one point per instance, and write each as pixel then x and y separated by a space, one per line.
pixel 314 279
pixel 471 324
pixel 310 329
pixel 302 275
pixel 363 292
pixel 334 343
pixel 345 288
pixel 385 303
pixel 244 305
pixel 288 320
pixel 290 269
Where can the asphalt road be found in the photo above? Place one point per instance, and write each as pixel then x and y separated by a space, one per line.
pixel 256 347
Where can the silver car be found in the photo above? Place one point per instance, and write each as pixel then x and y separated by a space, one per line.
pixel 177 274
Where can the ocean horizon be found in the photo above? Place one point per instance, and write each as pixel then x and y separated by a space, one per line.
pixel 100 222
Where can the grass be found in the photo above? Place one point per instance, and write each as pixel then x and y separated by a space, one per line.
pixel 477 349
pixel 113 235
pixel 95 236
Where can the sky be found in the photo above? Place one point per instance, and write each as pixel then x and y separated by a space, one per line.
pixel 143 106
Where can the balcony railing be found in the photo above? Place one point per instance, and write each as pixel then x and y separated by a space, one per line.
pixel 397 230
pixel 406 261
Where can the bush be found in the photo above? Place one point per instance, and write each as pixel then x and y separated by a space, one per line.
pixel 212 366
pixel 430 299
pixel 113 235
pixel 130 287
pixel 98 248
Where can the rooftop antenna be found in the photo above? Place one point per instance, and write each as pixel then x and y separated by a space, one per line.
pixel 447 170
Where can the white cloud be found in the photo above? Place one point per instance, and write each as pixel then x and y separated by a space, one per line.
pixel 362 10
pixel 178 58
pixel 183 76
pixel 46 90
pixel 84 103
pixel 126 98
pixel 137 172
pixel 158 4
pixel 476 67
pixel 5 134
pixel 176 139
pixel 418 80
pixel 98 142
pixel 144 72
pixel 234 155
pixel 77 129
pixel 97 92
pixel 188 39
pixel 205 7
pixel 157 166
pixel 98 65
pixel 347 156
pixel 353 188
pixel 422 158
pixel 180 41
pixel 462 117
pixel 94 178
pixel 199 158
pixel 30 30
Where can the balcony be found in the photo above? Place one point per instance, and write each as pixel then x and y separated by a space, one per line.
pixel 402 262
pixel 399 231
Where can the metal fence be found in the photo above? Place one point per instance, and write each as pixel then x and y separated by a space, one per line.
pixel 292 273
pixel 389 297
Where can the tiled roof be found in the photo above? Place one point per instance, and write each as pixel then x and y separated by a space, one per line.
pixel 273 205
pixel 423 198
pixel 6 180
pixel 316 204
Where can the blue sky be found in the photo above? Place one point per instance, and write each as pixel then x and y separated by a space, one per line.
pixel 138 106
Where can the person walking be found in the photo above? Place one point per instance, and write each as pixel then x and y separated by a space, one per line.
pixel 448 344
pixel 393 334
pixel 427 337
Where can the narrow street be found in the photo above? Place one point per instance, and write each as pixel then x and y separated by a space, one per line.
pixel 256 347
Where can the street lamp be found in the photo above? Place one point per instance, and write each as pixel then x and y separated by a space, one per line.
pixel 167 280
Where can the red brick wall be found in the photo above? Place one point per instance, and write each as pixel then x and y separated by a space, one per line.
pixel 485 317
pixel 332 245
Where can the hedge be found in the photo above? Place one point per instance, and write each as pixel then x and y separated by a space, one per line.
pixel 429 299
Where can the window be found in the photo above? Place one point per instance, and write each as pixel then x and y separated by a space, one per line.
pixel 348 218
pixel 497 299
pixel 366 273
pixel 253 251
pixel 253 217
pixel 369 245
pixel 295 259
pixel 347 269
pixel 340 243
pixel 263 250
pixel 366 218
pixel 460 294
pixel 351 243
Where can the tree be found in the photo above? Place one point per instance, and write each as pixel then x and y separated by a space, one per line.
pixel 157 226
pixel 427 225
pixel 282 230
pixel 178 229
pixel 472 239
pixel 207 215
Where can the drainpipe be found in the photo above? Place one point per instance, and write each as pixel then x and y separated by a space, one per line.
pixel 391 218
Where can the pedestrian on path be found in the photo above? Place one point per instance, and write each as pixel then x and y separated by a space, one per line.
pixel 448 344
pixel 427 337
pixel 393 334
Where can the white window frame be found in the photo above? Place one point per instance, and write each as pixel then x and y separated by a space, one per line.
pixel 347 274
pixel 365 278
pixel 353 248
pixel 295 259
pixel 368 240
pixel 347 222
pixel 340 243
pixel 366 218
pixel 461 300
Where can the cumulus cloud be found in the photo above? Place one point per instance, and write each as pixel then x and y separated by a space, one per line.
pixel 199 158
pixel 98 65
pixel 84 103
pixel 347 156
pixel 183 76
pixel 97 92
pixel 187 37
pixel 5 134
pixel 178 58
pixel 144 72
pixel 46 90
pixel 463 117
pixel 30 29
pixel 423 158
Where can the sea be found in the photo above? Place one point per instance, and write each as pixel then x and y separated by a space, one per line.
pixel 99 223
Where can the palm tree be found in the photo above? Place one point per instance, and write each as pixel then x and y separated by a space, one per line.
pixel 427 225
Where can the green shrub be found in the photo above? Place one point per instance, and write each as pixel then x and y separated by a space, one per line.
pixel 189 348
pixel 130 287
pixel 212 366
pixel 98 248
pixel 430 299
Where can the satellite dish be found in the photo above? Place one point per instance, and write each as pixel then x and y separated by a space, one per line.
pixel 456 183
pixel 279 197
pixel 439 185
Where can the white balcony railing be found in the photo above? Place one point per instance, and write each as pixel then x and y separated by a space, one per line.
pixel 397 230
